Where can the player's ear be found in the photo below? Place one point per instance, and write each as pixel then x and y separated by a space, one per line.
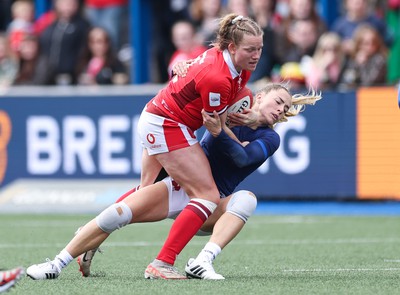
pixel 232 48
pixel 259 97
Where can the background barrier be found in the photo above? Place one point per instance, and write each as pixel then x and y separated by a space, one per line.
pixel 378 139
pixel 346 146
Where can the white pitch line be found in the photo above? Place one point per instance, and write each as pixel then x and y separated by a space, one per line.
pixel 341 269
pixel 59 245
pixel 391 260
pixel 323 241
pixel 237 242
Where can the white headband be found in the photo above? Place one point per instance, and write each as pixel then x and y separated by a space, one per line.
pixel 236 19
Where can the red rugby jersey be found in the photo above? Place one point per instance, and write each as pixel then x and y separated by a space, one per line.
pixel 210 84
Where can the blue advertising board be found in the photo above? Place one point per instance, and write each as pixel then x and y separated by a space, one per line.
pixel 94 137
pixel 317 153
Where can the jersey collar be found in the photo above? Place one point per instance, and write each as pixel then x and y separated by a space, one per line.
pixel 228 60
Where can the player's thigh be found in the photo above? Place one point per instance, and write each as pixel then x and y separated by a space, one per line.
pixel 150 169
pixel 190 168
pixel 149 203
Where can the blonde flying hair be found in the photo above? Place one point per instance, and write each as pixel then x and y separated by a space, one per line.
pixel 299 101
pixel 232 28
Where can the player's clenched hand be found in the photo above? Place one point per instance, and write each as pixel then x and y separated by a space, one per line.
pixel 181 67
pixel 247 117
pixel 212 123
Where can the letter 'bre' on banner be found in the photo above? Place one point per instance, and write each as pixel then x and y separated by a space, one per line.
pixel 378 142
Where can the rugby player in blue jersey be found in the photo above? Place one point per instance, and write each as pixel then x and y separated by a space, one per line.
pixel 230 161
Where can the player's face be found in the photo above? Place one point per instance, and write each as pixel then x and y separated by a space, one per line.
pixel 246 55
pixel 273 105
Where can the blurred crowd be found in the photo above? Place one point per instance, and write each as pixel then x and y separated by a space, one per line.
pixel 83 42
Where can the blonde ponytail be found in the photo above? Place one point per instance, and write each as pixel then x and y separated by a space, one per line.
pixel 299 102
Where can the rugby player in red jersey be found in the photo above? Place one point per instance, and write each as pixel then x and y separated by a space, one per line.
pixel 230 161
pixel 167 124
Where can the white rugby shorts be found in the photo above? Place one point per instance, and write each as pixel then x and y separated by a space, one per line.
pixel 161 135
pixel 177 197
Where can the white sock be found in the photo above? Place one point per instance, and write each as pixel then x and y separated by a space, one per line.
pixel 62 259
pixel 209 252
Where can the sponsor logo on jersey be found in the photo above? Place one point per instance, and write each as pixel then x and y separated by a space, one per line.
pixel 214 99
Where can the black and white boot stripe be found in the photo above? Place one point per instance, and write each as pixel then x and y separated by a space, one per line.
pixel 50 276
pixel 196 272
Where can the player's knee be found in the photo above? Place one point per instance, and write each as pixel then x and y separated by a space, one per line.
pixel 242 204
pixel 114 217
pixel 205 206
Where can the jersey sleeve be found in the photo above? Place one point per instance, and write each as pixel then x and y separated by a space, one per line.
pixel 214 96
pixel 256 151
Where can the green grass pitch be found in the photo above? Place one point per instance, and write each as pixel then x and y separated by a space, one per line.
pixel 272 255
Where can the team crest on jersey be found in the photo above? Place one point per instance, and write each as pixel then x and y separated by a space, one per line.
pixel 214 99
pixel 240 83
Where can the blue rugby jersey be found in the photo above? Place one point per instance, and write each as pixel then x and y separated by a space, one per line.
pixel 230 162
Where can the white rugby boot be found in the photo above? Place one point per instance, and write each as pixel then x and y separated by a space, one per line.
pixel 203 270
pixel 161 270
pixel 43 271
